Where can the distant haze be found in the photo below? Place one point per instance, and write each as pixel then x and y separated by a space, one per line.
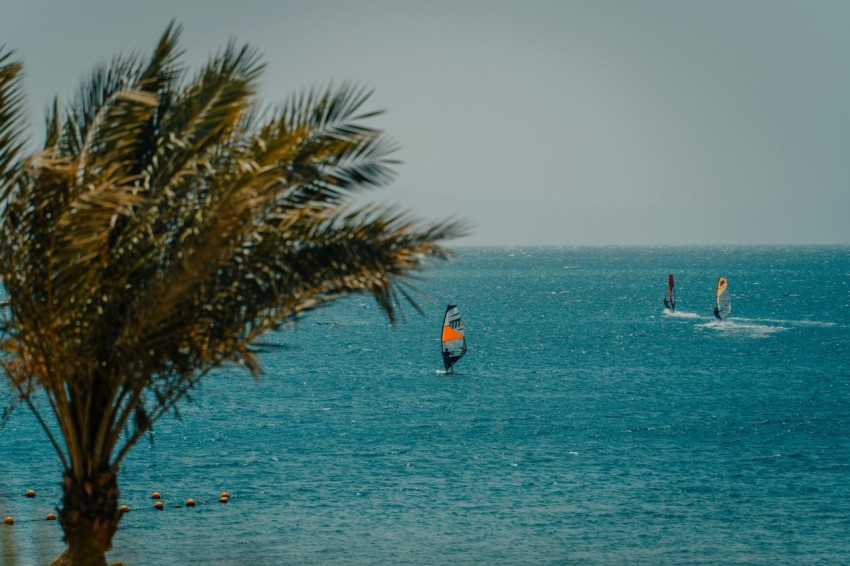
pixel 541 122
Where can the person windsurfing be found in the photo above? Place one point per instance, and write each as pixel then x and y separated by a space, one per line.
pixel 453 338
pixel 722 303
pixel 670 299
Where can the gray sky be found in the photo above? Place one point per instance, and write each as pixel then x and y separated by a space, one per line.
pixel 541 122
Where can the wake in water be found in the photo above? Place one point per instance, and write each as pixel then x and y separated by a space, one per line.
pixel 761 327
pixel 743 326
pixel 813 323
pixel 679 314
pixel 751 327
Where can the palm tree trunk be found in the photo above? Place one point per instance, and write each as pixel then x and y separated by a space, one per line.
pixel 89 517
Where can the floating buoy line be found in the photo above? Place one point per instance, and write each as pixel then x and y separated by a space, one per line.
pixel 158 505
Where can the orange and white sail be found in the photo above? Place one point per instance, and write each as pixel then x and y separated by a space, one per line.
pixel 452 338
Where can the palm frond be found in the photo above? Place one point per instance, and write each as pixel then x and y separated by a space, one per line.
pixel 319 145
pixel 12 127
pixel 52 124
pixel 202 115
pixel 93 99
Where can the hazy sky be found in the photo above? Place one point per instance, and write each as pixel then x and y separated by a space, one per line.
pixel 541 122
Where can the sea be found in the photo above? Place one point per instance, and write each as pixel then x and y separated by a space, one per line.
pixel 585 425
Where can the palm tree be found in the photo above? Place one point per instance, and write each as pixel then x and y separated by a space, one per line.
pixel 166 224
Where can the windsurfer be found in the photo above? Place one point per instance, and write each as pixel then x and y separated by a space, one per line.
pixel 670 300
pixel 453 345
pixel 722 304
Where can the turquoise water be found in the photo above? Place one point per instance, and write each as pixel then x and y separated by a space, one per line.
pixel 585 425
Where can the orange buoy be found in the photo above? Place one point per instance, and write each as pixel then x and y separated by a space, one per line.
pixel 222 499
pixel 224 494
pixel 30 493
pixel 9 521
pixel 158 505
pixel 190 503
pixel 155 495
pixel 124 509
pixel 51 516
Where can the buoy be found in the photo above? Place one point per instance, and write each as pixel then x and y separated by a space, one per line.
pixel 158 505
pixel 9 521
pixel 222 499
pixel 30 493
pixel 51 516
pixel 155 495
pixel 190 503
pixel 224 494
pixel 124 509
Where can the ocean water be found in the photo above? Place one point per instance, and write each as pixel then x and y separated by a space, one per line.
pixel 585 425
